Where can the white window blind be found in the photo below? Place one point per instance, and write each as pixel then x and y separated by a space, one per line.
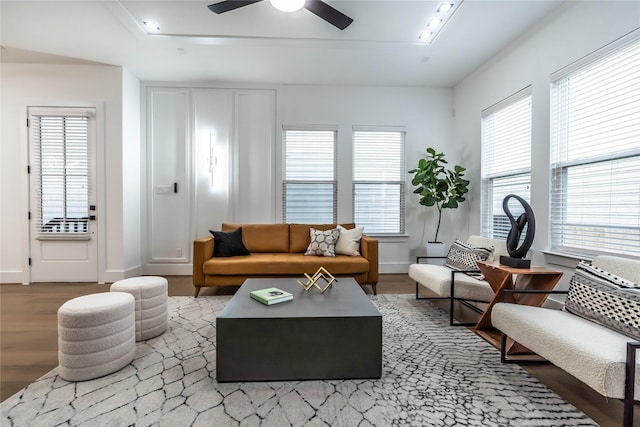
pixel 61 165
pixel 309 185
pixel 506 161
pixel 379 181
pixel 595 149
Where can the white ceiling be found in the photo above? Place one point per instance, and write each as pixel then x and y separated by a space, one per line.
pixel 259 45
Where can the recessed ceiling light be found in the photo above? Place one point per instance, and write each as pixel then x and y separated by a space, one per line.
pixel 152 26
pixel 439 20
pixel 287 5
pixel 445 7
pixel 435 23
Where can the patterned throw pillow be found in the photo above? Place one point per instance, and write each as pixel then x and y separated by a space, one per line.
pixel 463 256
pixel 323 243
pixel 604 298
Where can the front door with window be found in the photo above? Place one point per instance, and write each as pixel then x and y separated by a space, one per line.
pixel 63 236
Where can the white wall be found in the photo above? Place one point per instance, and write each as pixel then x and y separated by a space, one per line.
pixel 131 175
pixel 427 115
pixel 575 30
pixel 65 85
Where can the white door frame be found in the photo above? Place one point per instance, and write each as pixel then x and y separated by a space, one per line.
pixel 97 227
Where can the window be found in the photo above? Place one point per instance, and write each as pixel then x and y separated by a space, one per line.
pixel 506 161
pixel 378 180
pixel 309 181
pixel 61 164
pixel 595 152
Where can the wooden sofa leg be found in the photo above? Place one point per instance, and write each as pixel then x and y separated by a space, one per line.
pixel 196 292
pixel 373 286
pixel 630 379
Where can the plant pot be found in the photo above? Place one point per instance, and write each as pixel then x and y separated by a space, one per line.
pixel 435 249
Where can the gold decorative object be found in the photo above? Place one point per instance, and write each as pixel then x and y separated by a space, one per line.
pixel 322 273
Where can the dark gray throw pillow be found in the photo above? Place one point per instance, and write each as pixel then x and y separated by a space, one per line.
pixel 226 244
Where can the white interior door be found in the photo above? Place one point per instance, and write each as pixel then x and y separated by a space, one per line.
pixel 63 228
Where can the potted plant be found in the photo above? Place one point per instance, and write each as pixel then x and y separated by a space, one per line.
pixel 438 186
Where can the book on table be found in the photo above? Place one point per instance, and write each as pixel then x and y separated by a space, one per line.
pixel 271 296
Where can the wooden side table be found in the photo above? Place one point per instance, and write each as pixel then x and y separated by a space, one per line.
pixel 502 277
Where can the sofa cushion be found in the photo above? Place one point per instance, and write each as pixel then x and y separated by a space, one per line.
pixel 226 244
pixel 279 264
pixel 263 238
pixel 349 241
pixel 463 256
pixel 323 243
pixel 605 298
pixel 300 237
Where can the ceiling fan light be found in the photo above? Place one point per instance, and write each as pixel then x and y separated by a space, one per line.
pixel 287 5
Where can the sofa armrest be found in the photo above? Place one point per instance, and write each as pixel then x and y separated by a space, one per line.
pixel 369 250
pixel 202 251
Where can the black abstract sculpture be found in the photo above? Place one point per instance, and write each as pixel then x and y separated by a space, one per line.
pixel 516 250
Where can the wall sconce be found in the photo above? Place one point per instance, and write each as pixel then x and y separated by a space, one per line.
pixel 213 161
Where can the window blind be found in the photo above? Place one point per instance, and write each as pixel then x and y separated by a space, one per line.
pixel 309 186
pixel 378 181
pixel 61 165
pixel 506 161
pixel 595 149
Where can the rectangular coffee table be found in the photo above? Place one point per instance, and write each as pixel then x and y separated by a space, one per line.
pixel 335 335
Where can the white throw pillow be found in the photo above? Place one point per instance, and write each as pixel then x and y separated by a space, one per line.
pixel 349 241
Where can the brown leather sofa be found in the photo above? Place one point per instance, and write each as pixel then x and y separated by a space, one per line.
pixel 277 250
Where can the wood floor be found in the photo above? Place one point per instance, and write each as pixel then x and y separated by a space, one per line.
pixel 28 339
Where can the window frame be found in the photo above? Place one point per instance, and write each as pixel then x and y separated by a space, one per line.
pixel 487 180
pixel 67 227
pixel 400 183
pixel 586 243
pixel 311 182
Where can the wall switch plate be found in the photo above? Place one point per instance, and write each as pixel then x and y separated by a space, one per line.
pixel 164 189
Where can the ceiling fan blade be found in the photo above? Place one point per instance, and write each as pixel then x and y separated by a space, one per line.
pixel 328 13
pixel 227 5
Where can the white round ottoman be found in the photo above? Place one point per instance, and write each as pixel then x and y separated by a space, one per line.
pixel 150 293
pixel 96 335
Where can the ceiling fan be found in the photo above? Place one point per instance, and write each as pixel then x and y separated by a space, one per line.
pixel 317 7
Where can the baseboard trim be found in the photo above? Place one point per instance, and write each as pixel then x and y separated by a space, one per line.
pixel 14 277
pixel 168 269
pixel 393 267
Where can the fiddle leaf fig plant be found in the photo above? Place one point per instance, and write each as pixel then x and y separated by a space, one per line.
pixel 438 186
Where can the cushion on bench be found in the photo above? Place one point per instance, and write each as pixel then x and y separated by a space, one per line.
pixel 437 278
pixel 592 353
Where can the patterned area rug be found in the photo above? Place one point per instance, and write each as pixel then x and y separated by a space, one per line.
pixel 433 375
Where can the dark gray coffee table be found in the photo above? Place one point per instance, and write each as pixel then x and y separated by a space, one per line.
pixel 335 335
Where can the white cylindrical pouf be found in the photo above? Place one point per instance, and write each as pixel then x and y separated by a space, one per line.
pixel 96 335
pixel 150 293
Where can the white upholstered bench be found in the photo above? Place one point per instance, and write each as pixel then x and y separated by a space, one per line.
pixel 96 335
pixel 150 293
pixel 595 354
